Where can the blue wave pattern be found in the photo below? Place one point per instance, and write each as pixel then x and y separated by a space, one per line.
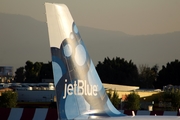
pixel 72 63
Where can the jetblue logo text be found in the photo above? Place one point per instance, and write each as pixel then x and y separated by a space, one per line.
pixel 79 88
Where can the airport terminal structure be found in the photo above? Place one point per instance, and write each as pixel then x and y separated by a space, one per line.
pixel 45 92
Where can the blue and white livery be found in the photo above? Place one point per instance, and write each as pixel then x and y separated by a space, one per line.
pixel 79 90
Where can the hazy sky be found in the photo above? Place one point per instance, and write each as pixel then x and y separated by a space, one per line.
pixel 135 17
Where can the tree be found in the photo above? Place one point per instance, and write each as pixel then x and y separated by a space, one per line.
pixel 20 75
pixel 117 71
pixel 172 96
pixel 114 98
pixel 147 76
pixel 169 74
pixel 34 72
pixel 46 71
pixel 29 71
pixel 133 101
pixel 8 99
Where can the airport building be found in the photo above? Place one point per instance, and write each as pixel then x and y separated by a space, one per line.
pixel 45 92
pixel 6 73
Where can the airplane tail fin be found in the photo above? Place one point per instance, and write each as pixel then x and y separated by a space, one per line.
pixel 79 90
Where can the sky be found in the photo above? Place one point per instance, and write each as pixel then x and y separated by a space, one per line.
pixel 132 17
pixel 137 17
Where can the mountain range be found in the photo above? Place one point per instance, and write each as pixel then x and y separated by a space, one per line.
pixel 23 38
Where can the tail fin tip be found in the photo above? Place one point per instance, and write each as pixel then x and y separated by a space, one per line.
pixel 79 90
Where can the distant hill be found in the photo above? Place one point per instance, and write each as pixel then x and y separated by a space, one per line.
pixel 23 38
pixel 142 49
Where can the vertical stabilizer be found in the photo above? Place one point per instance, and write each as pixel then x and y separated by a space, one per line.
pixel 79 91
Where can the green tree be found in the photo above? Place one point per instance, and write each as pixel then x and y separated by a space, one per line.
pixel 114 97
pixel 29 71
pixel 8 99
pixel 147 76
pixel 46 71
pixel 109 93
pixel 172 96
pixel 20 75
pixel 117 71
pixel 133 101
pixel 169 74
pixel 34 72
